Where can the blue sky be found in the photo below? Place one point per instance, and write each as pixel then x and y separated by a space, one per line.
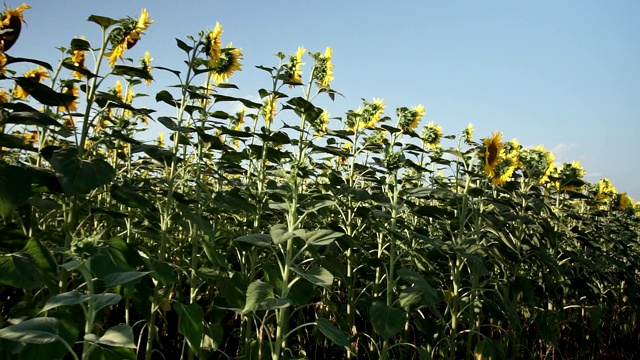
pixel 565 75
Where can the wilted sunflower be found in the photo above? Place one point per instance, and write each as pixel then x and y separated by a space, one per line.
pixel 10 26
pixel 293 71
pixel 127 35
pixel 78 59
pixel 35 75
pixel 323 69
pixel 227 65
pixel 431 135
pixel 213 44
pixel 492 153
pixel 410 118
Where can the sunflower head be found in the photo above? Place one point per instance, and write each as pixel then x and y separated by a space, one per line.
pixel 69 88
pixel 293 69
pixel 569 177
pixel 409 119
pixel 238 120
pixel 492 152
pixel 35 75
pixel 227 65
pixel 126 35
pixel 504 170
pixel 624 202
pixel 371 113
pixel 537 164
pixel 431 135
pixel 145 63
pixel 323 69
pixel 319 125
pixel 10 26
pixel 269 109
pixel 213 44
pixel 467 133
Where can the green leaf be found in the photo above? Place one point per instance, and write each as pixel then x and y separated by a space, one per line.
pixel 44 94
pixel 171 125
pixel 15 188
pixel 103 21
pixel 182 45
pixel 68 64
pixel 260 297
pixel 132 72
pixel 130 197
pixel 14 142
pixel 101 301
pixel 45 262
pixel 80 44
pixel 280 234
pixel 334 334
pixel 387 320
pixel 317 276
pixel 13 60
pixel 319 237
pixel 256 239
pixel 248 103
pixel 42 330
pixel 123 277
pixel 190 324
pixel 19 270
pixel 79 176
pixel 32 118
pixel 117 336
pixel 204 225
pixel 65 299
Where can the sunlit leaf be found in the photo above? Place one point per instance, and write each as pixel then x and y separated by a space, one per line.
pixel 190 324
pixel 43 330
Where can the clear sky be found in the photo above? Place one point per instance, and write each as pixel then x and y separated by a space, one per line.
pixel 563 74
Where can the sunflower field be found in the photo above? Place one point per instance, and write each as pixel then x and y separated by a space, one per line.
pixel 278 232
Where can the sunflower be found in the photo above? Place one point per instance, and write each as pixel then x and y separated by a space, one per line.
pixel 353 119
pixel 569 177
pixel 371 113
pixel 431 135
pixel 467 133
pixel 537 164
pixel 160 139
pixel 624 202
pixel 292 70
pixel 492 153
pixel 30 138
pixel 127 35
pixel 213 44
pixel 11 25
pixel 77 58
pixel 605 191
pixel 72 90
pixel 409 119
pixel 269 109
pixel 504 170
pixel 4 96
pixel 319 125
pixel 227 65
pixel 146 66
pixel 239 119
pixel 323 69
pixel 3 62
pixel 128 100
pixel 35 75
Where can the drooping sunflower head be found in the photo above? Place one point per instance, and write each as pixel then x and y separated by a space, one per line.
pixel 127 34
pixel 323 69
pixel 569 177
pixel 293 69
pixel 227 65
pixel 213 44
pixel 624 202
pixel 11 25
pixel 431 135
pixel 410 118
